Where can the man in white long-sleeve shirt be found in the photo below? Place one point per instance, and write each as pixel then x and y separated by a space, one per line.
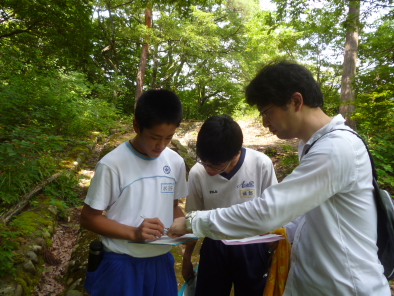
pixel 334 250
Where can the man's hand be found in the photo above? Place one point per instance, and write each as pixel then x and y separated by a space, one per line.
pixel 178 228
pixel 150 228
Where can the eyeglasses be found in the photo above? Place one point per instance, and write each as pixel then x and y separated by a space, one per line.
pixel 264 113
pixel 211 167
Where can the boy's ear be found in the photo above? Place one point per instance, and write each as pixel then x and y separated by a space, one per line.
pixel 297 101
pixel 136 126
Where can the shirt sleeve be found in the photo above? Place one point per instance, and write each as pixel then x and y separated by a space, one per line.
pixel 322 173
pixel 195 199
pixel 104 188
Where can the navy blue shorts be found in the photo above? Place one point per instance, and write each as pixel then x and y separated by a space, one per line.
pixel 221 266
pixel 123 275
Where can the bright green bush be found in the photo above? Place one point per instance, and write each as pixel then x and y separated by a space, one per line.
pixel 40 116
pixel 375 120
pixel 59 103
pixel 8 244
pixel 63 193
pixel 24 161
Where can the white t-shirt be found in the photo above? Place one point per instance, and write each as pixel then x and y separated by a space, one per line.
pixel 127 185
pixel 253 173
pixel 334 250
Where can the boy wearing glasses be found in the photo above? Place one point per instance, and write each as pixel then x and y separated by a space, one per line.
pixel 227 174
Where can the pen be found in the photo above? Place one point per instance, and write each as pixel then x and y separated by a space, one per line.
pixel 165 229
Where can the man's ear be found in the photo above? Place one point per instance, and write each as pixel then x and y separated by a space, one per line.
pixel 297 101
pixel 136 126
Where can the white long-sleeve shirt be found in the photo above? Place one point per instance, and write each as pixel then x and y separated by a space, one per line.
pixel 334 250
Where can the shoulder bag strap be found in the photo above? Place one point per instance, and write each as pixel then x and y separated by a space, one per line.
pixel 374 173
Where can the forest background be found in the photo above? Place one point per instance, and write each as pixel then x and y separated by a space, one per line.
pixel 72 68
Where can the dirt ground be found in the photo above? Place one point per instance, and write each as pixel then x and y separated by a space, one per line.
pixel 255 135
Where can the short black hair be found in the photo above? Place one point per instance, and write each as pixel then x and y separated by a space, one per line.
pixel 278 81
pixel 158 106
pixel 219 139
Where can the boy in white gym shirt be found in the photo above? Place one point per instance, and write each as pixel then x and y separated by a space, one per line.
pixel 140 178
pixel 227 174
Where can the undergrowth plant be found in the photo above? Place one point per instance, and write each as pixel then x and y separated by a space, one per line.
pixel 375 120
pixel 8 244
pixel 63 191
pixel 25 160
pixel 43 114
pixel 288 160
pixel 383 153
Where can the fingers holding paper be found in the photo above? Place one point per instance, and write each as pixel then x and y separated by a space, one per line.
pixel 151 229
pixel 178 228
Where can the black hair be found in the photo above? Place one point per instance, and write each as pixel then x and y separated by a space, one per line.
pixel 158 106
pixel 219 139
pixel 278 81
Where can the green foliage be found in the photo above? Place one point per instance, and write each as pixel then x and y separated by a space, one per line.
pixel 318 37
pixel 271 151
pixel 63 191
pixel 243 111
pixel 205 55
pixel 29 158
pixel 265 40
pixel 375 105
pixel 41 115
pixel 383 153
pixel 331 99
pixel 28 223
pixel 50 27
pixel 8 244
pixel 61 205
pixel 58 102
pixel 375 117
pixel 6 263
pixel 288 160
pixel 25 160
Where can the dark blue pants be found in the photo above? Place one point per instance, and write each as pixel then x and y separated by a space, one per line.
pixel 221 266
pixel 123 275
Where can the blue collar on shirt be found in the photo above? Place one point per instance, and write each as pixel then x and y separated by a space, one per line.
pixel 137 153
pixel 228 176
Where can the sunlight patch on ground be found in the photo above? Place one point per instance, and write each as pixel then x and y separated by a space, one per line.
pixel 85 176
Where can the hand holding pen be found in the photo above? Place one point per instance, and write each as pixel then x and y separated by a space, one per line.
pixel 165 229
pixel 150 229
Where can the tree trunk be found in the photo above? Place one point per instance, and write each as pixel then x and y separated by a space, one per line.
pixel 144 57
pixel 349 63
pixel 154 70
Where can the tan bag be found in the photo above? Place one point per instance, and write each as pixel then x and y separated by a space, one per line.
pixel 280 265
